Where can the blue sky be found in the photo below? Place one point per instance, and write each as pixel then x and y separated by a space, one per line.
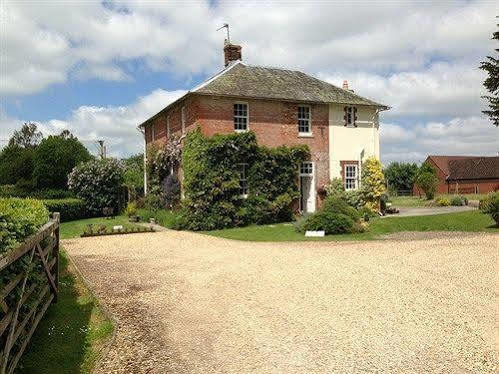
pixel 99 69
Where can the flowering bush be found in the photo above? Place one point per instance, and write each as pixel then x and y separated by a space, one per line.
pixel 98 182
pixel 167 158
pixel 373 183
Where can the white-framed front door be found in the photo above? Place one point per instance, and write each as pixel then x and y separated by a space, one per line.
pixel 307 187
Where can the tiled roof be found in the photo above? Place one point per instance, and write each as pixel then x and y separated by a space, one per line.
pixel 272 83
pixel 443 161
pixel 474 168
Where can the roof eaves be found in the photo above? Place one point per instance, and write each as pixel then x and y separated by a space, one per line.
pixel 165 108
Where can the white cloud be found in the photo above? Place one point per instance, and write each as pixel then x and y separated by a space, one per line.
pixel 116 125
pixel 442 89
pixel 44 42
pixel 459 136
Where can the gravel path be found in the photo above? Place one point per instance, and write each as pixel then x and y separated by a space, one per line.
pixel 419 211
pixel 189 303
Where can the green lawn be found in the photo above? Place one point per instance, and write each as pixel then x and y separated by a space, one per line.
pixel 463 221
pixel 72 333
pixel 74 229
pixel 417 202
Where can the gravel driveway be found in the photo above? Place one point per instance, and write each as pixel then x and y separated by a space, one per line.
pixel 189 303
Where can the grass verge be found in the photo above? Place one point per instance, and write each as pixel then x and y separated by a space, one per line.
pixel 73 229
pixel 73 332
pixel 418 202
pixel 472 221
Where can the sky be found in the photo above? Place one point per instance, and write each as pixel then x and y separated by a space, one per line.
pixel 99 69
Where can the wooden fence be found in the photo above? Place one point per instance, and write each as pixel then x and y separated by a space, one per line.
pixel 29 277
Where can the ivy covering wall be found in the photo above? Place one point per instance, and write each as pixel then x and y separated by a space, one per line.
pixel 212 167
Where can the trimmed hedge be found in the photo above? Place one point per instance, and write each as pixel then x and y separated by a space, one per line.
pixel 70 209
pixel 19 218
pixel 9 190
pixel 212 167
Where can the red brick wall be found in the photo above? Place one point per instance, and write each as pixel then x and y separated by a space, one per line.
pixel 274 123
pixel 465 187
pixel 442 186
pixel 174 115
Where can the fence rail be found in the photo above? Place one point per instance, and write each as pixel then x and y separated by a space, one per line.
pixel 29 277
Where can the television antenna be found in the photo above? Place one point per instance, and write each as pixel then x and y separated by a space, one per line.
pixel 226 26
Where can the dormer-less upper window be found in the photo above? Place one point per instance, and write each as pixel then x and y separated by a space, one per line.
pixel 304 120
pixel 350 116
pixel 241 117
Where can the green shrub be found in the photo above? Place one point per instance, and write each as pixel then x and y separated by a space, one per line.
pixel 335 217
pixel 171 190
pixel 442 201
pixel 99 184
pixel 331 223
pixel 16 191
pixel 54 159
pixel 335 204
pixel 163 217
pixel 70 209
pixel 19 218
pixel 355 198
pixel 154 201
pixel 131 209
pixel 335 187
pixel 490 205
pixel 458 201
pixel 212 170
pixel 427 180
pixel 16 163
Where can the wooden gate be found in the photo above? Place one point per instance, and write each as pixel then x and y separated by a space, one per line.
pixel 29 277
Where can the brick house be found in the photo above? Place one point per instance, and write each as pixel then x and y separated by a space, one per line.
pixel 464 174
pixel 282 107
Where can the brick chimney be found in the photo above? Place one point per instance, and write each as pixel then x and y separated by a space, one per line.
pixel 345 86
pixel 232 52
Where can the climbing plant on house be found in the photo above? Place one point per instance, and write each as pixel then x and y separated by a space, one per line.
pixel 231 181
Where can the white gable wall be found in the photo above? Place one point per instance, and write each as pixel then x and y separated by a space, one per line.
pixel 346 143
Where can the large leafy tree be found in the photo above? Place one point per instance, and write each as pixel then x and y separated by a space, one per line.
pixel 16 159
pixel 491 66
pixel 54 159
pixel 400 176
pixel 27 137
pixel 427 180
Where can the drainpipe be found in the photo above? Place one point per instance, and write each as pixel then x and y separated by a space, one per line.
pixel 142 131
pixel 375 116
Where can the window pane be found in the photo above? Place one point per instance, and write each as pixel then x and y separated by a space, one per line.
pixel 304 119
pixel 240 116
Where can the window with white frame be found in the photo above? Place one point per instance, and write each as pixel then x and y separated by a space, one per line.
pixel 183 119
pixel 304 120
pixel 351 176
pixel 306 168
pixel 350 116
pixel 240 117
pixel 243 180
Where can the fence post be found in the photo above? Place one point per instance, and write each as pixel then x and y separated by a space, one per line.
pixel 57 219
